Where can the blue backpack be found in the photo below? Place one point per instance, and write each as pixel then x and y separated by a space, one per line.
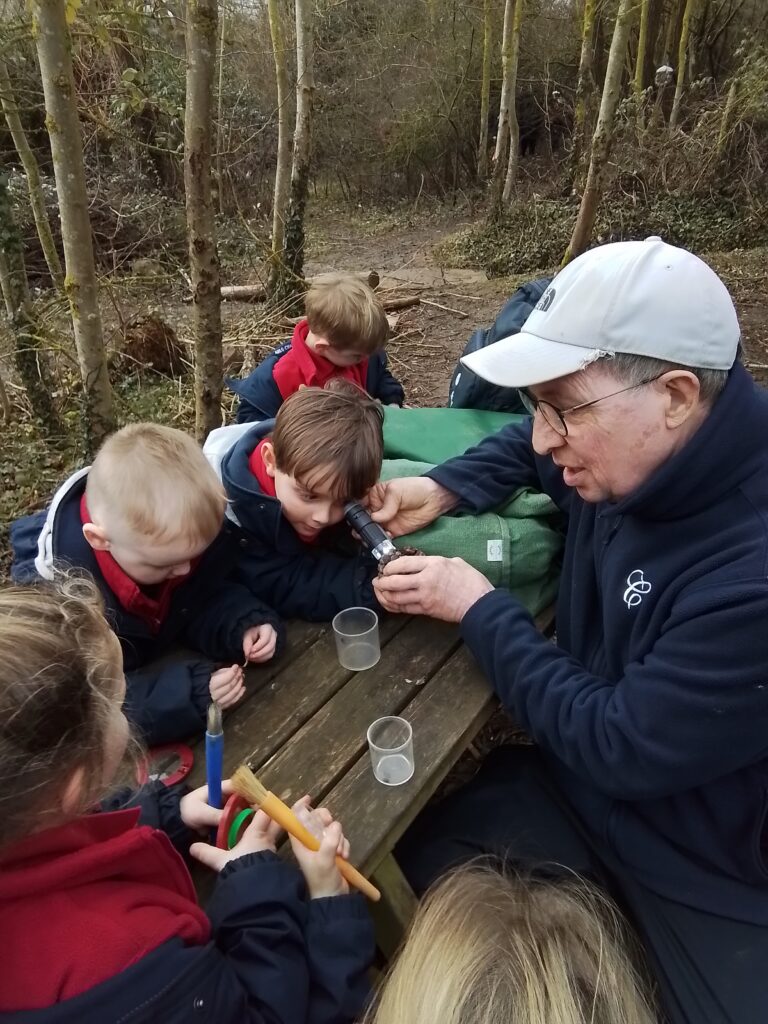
pixel 467 390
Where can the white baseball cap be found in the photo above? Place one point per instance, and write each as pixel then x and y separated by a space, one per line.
pixel 641 298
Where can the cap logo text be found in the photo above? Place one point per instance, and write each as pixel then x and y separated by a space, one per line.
pixel 546 300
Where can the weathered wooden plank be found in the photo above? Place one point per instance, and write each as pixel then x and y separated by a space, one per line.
pixel 393 913
pixel 446 714
pixel 261 726
pixel 321 751
pixel 300 637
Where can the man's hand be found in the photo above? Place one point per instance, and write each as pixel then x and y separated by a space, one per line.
pixel 227 686
pixel 442 588
pixel 259 643
pixel 262 834
pixel 408 504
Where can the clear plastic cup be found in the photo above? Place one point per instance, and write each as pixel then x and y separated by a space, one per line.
pixel 356 631
pixel 391 744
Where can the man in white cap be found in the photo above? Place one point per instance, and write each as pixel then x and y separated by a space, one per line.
pixel 650 713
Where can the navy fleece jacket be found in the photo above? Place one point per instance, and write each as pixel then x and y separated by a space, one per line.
pixel 653 706
pixel 209 612
pixel 301 581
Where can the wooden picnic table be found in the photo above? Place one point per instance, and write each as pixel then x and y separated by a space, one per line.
pixel 302 729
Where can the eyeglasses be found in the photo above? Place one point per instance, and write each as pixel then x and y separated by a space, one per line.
pixel 555 418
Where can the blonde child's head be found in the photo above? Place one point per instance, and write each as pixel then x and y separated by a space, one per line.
pixel 62 731
pixel 154 501
pixel 490 949
pixel 326 449
pixel 346 320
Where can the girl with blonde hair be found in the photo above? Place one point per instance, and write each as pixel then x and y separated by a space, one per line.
pixel 98 910
pixel 486 948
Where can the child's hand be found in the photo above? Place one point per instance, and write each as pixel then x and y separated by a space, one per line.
pixel 262 834
pixel 197 813
pixel 259 643
pixel 227 686
pixel 319 868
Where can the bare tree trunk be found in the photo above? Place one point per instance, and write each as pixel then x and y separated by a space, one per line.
pixel 202 18
pixel 672 30
pixel 219 114
pixel 30 361
pixel 682 60
pixel 506 109
pixel 514 127
pixel 302 139
pixel 727 118
pixel 642 43
pixel 663 81
pixel 32 171
pixel 585 88
pixel 51 35
pixel 283 167
pixel 5 404
pixel 502 132
pixel 601 141
pixel 485 91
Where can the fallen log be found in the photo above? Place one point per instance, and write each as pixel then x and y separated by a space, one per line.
pixel 400 303
pixel 244 292
pixel 370 277
pixel 289 322
pixel 258 293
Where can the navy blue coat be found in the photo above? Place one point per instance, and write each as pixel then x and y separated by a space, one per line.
pixel 653 706
pixel 260 398
pixel 275 957
pixel 209 612
pixel 467 390
pixel 301 581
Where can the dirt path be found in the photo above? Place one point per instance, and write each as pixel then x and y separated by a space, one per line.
pixel 426 344
pixel 428 340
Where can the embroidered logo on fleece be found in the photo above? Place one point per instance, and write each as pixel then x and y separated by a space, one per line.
pixel 637 587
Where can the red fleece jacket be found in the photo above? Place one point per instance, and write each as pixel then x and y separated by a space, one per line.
pixel 80 902
pixel 152 610
pixel 301 365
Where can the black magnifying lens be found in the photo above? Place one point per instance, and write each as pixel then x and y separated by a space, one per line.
pixel 373 537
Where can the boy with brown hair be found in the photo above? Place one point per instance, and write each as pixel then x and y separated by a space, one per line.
pixel 287 482
pixel 146 521
pixel 342 337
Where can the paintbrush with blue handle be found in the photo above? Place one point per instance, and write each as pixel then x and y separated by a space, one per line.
pixel 214 758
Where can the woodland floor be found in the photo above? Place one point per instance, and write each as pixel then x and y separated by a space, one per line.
pixel 402 254
pixel 426 344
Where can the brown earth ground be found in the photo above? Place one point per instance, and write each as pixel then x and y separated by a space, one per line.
pixel 427 341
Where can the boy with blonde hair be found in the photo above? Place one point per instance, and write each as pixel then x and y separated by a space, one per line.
pixel 343 336
pixel 287 481
pixel 146 520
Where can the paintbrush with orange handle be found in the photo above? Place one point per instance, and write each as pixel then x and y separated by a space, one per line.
pixel 248 786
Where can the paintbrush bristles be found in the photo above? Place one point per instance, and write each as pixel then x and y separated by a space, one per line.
pixel 248 786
